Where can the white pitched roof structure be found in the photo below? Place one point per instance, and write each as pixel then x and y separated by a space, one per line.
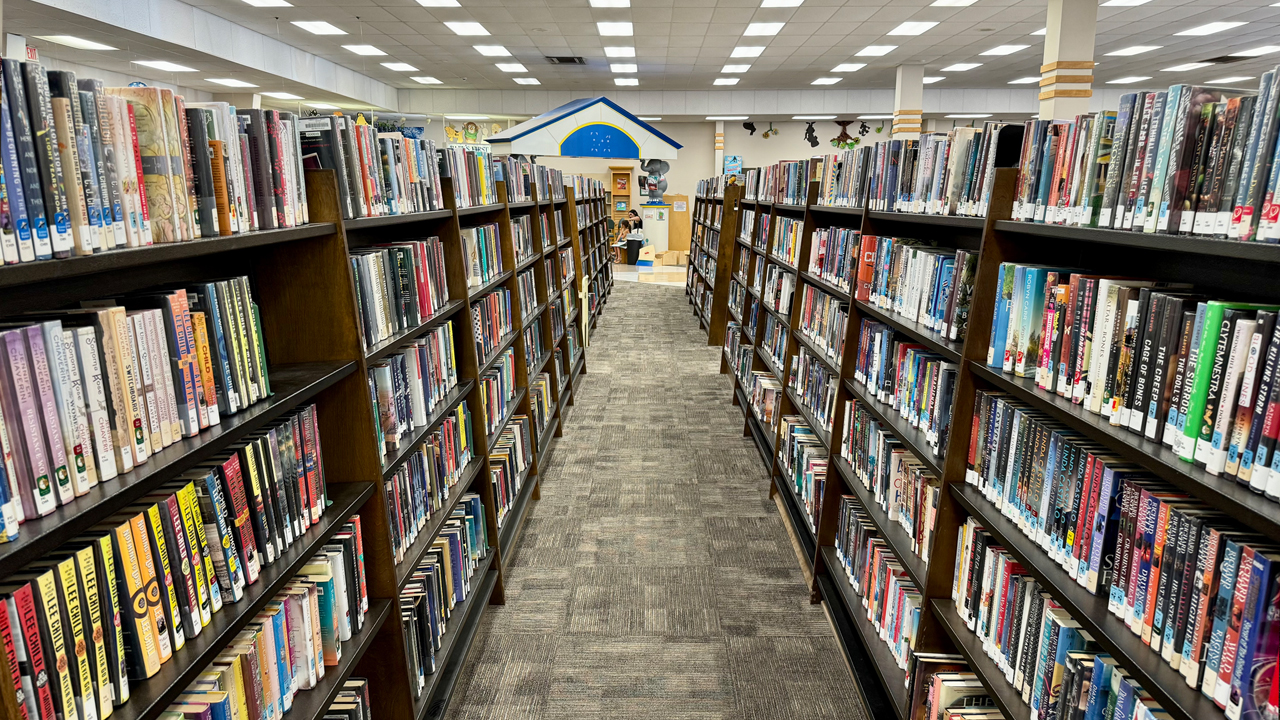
pixel 592 127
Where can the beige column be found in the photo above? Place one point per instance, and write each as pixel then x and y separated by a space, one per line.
pixel 908 101
pixel 719 147
pixel 1066 77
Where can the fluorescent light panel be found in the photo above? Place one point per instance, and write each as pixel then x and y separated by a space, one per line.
pixel 1124 3
pixel 615 28
pixel 626 81
pixel 764 28
pixel 735 68
pixel 466 27
pixel 933 79
pixel 319 27
pixel 780 3
pixel 1231 80
pixel 75 42
pixel 969 116
pixel 912 28
pixel 825 81
pixel 438 3
pixel 727 117
pixel 1025 80
pixel 492 50
pixel 1133 50
pixel 648 119
pixel 364 49
pixel 269 3
pixel 425 80
pixel 848 67
pixel 622 67
pixel 164 65
pixel 282 95
pixel 961 67
pixel 1211 28
pixel 952 3
pixel 876 50
pixel 230 82
pixel 1041 31
pixel 527 81
pixel 619 51
pixel 725 81
pixel 1187 66
pixel 1258 51
pixel 400 67
pixel 813 117
pixel 610 3
pixel 511 67
pixel 1128 80
pixel 875 117
pixel 1005 49
pixel 743 51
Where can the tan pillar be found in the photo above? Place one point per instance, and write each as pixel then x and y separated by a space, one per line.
pixel 719 147
pixel 1066 77
pixel 908 101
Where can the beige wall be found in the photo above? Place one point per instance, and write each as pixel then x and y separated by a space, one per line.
pixel 695 161
pixel 789 143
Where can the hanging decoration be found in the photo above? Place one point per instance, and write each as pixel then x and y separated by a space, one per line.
pixel 750 126
pixel 844 140
pixel 768 132
pixel 811 135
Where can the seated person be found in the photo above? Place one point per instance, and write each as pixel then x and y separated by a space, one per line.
pixel 634 217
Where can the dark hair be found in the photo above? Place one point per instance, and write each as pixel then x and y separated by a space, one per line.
pixel 632 213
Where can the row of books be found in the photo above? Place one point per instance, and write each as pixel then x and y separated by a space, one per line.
pixel 561 360
pixel 803 460
pixel 93 392
pixel 712 187
pixel 542 404
pixel 786 240
pixel 941 173
pixel 398 287
pixel 353 702
pixel 408 386
pixel 573 341
pixel 748 224
pixel 1189 160
pixel 444 579
pixel 773 340
pixel 926 285
pixel 743 268
pixel 833 256
pixel 524 178
pixel 184 551
pixel 737 297
pixel 814 384
pixel 509 459
pixel 424 482
pixel 492 322
pixel 1167 365
pixel 473 177
pixel 764 392
pixel 909 379
pixel 585 188
pixel 709 213
pixel 556 311
pixel 527 286
pixel 533 352
pixel 498 390
pixel 566 267
pixel 285 648
pixel 785 182
pixel 378 173
pixel 822 321
pixel 749 179
pixel 946 689
pixel 762 233
pixel 707 238
pixel 522 238
pixel 901 486
pixel 739 354
pixel 482 246
pixel 779 288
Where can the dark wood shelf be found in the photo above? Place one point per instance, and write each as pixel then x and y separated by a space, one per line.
pixel 151 697
pixel 512 406
pixel 460 630
pixel 408 444
pixel 898 540
pixel 403 219
pixel 427 535
pixel 1165 684
pixel 953 221
pixel 892 679
pixel 546 435
pixel 516 514
pixel 486 288
pixel 773 367
pixel 797 517
pixel 312 704
pixel 532 315
pixel 527 262
pixel 1190 244
pixel 393 343
pixel 825 286
pixel 787 207
pixel 823 435
pixel 1224 493
pixel 832 364
pixel 948 349
pixel 293 385
pixel 763 443
pixel 895 423
pixel 519 204
pixel 1008 700
pixel 836 210
pixel 497 353
pixel 780 262
pixel 477 209
pixel 784 319
pixel 539 364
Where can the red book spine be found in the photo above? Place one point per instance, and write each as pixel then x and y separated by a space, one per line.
pixel 239 506
pixel 137 156
pixel 6 635
pixel 26 606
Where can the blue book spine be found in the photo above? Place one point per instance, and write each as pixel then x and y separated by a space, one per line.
pixel 999 322
pixel 1221 610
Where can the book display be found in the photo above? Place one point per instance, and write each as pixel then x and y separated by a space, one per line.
pixel 1039 453
pixel 277 428
pixel 711 280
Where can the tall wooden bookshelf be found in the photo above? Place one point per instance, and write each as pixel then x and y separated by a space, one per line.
pixel 302 281
pixel 711 257
pixel 1222 268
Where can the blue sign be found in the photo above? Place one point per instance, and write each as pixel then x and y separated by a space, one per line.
pixel 600 140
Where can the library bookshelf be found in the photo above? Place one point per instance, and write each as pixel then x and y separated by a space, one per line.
pixel 302 280
pixel 1244 271
pixel 711 260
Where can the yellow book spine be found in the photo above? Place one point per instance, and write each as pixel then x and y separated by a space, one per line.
pixel 47 587
pixel 151 586
pixel 168 593
pixel 205 361
pixel 81 673
pixel 89 590
pixel 196 538
pixel 115 623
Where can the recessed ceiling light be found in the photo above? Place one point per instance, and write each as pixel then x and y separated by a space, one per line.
pixel 438 3
pixel 364 49
pixel 875 117
pixel 230 82
pixel 952 3
pixel 1258 51
pixel 527 81
pixel 1025 80
pixel 969 116
pixel 764 28
pixel 1211 28
pixel 747 51
pixel 1230 80
pixel 492 50
pixel 876 50
pixel 622 67
pixel 1133 50
pixel 1041 31
pixel 961 67
pixel 322 106
pixel 1184 67
pixel 425 80
pixel 626 81
pixel 848 67
pixel 727 117
pixel 911 28
pixel 933 79
pixel 319 27
pixel 164 65
pixel 735 68
pixel 610 3
pixel 511 67
pixel 725 81
pixel 466 117
pixel 1128 80
pixel 615 28
pixel 75 42
pixel 466 28
pixel 648 119
pixel 1004 50
pixel 781 3
pixel 282 95
pixel 813 117
pixel 619 51
pixel 825 81
pixel 269 3
pixel 1124 3
pixel 400 67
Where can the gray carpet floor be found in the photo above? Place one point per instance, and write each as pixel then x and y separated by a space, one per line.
pixel 654 578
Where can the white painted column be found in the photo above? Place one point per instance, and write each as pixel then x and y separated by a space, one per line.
pixel 1066 77
pixel 908 101
pixel 719 147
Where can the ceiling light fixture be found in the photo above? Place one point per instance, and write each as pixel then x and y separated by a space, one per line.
pixel 1128 80
pixel 466 28
pixel 1230 80
pixel 1184 67
pixel 961 67
pixel 425 80
pixel 511 67
pixel 619 51
pixel 725 81
pixel 1258 51
pixel 1004 50
pixel 269 3
pixel 622 67
pixel 615 28
pixel 363 49
pixel 527 81
pixel 825 81
pixel 399 67
pixel 848 67
pixel 322 106
pixel 969 116
pixel 230 82
pixel 610 3
pixel 735 68
pixel 1025 80
pixel 75 42
pixel 933 79
pixel 439 3
pixel 764 28
pixel 813 117
pixel 466 117
pixel 319 27
pixel 648 119
pixel 952 3
pixel 492 50
pixel 1124 3
pixel 1041 31
pixel 1133 50
pixel 282 95
pixel 743 51
pixel 727 117
pixel 626 81
pixel 164 65
pixel 1211 28
pixel 781 3
pixel 875 117
pixel 911 28
pixel 876 50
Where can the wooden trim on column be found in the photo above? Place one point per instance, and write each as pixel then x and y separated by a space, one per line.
pixel 1067 65
pixel 1050 94
pixel 1062 79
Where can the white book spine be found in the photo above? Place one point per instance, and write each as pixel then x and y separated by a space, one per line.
pixel 70 416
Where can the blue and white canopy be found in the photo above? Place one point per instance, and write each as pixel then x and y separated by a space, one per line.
pixel 591 127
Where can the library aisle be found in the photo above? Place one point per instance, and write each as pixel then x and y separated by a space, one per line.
pixel 655 578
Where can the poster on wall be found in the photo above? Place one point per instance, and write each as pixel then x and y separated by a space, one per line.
pixel 732 164
pixel 621 181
